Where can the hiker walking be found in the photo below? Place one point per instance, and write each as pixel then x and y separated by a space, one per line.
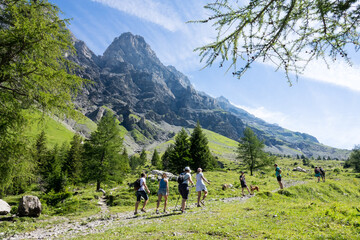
pixel 163 192
pixel 184 187
pixel 141 193
pixel 243 183
pixel 322 173
pixel 278 175
pixel 200 186
pixel 317 173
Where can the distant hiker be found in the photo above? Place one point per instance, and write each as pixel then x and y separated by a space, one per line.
pixel 141 193
pixel 322 173
pixel 317 173
pixel 278 175
pixel 163 192
pixel 200 186
pixel 243 183
pixel 184 187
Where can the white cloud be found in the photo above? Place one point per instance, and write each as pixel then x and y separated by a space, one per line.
pixel 339 73
pixel 149 10
pixel 266 115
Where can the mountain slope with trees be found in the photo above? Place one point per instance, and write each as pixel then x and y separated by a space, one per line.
pixel 131 81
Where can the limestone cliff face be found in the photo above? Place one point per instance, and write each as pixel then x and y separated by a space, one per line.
pixel 129 78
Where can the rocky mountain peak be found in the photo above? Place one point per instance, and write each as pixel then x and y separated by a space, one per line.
pixel 131 49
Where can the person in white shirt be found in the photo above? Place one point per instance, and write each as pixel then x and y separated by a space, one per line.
pixel 200 186
pixel 141 193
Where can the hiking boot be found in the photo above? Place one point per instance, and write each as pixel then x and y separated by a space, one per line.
pixel 135 213
pixel 157 211
pixel 165 212
pixel 143 210
pixel 198 205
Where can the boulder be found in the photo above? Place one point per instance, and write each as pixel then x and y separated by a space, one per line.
pixel 4 207
pixel 29 206
pixel 299 169
pixel 171 176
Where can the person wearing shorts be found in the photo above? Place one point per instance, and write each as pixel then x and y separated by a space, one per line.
pixel 200 186
pixel 163 192
pixel 140 193
pixel 278 175
pixel 184 188
pixel 243 183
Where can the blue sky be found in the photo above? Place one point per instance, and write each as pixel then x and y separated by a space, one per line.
pixel 324 102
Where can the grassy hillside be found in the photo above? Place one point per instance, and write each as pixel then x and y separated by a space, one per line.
pixel 56 132
pixel 305 209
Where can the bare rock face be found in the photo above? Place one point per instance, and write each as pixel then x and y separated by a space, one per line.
pixel 29 206
pixel 4 207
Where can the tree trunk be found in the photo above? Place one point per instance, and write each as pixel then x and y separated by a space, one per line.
pixel 97 185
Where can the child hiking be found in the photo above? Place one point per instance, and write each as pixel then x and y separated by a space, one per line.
pixel 141 193
pixel 278 175
pixel 163 192
pixel 243 184
pixel 184 187
pixel 200 186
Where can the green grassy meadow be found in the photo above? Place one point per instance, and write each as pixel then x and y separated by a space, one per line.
pixel 305 209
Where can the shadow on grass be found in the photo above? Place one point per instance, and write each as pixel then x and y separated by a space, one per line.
pixel 164 215
pixel 7 219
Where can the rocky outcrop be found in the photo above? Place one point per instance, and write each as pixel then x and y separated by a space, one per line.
pixel 4 207
pixel 29 206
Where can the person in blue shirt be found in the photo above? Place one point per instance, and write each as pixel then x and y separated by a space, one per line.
pixel 163 192
pixel 278 175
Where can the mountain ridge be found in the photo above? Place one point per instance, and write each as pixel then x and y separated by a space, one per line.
pixel 130 79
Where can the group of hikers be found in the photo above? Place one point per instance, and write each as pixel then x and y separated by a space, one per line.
pixel 185 180
pixel 184 189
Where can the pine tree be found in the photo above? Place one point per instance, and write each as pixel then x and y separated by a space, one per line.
pixel 52 175
pixel 40 152
pixel 180 155
pixel 143 157
pixel 250 152
pixel 354 160
pixel 155 160
pixel 199 150
pixel 73 162
pixel 166 157
pixel 102 152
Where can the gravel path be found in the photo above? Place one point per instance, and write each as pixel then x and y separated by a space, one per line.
pixel 104 221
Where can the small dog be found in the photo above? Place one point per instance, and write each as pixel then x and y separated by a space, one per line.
pixel 253 188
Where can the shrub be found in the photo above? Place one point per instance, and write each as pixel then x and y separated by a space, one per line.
pixel 53 199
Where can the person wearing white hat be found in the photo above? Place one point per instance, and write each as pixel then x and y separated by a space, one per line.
pixel 184 187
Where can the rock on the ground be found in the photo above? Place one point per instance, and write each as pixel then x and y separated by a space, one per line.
pixel 4 207
pixel 299 169
pixel 29 206
pixel 171 176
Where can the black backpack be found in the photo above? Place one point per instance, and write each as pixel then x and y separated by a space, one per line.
pixel 137 184
pixel 181 178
